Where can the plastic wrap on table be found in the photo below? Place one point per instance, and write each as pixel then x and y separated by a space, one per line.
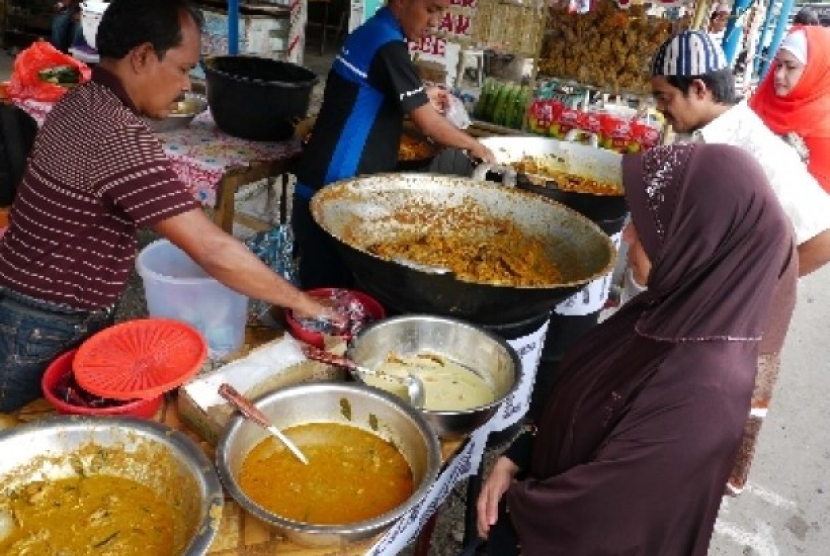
pixel 275 248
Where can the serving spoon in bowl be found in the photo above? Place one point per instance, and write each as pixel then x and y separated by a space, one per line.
pixel 250 412
pixel 414 385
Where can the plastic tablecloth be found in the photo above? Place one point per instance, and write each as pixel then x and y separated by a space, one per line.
pixel 200 152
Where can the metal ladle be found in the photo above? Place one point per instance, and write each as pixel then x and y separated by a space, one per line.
pixel 249 410
pixel 414 385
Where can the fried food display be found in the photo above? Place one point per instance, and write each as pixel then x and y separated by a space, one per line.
pixel 608 48
pixel 545 173
pixel 475 247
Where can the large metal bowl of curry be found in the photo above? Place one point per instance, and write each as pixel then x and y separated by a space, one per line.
pixel 375 210
pixel 61 450
pixel 350 404
pixel 452 341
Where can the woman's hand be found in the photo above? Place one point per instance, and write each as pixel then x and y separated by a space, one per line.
pixel 494 488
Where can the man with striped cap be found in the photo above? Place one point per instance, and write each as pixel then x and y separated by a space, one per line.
pixel 695 91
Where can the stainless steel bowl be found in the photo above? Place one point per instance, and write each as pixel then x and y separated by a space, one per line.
pixel 189 107
pixel 147 452
pixel 470 346
pixel 331 402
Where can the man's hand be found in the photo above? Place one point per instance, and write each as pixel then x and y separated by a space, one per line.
pixel 439 129
pixel 481 152
pixel 439 98
pixel 494 488
pixel 310 307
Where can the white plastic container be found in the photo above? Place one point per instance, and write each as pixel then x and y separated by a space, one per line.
pixel 91 13
pixel 176 287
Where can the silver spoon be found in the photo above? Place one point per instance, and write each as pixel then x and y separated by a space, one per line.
pixel 250 411
pixel 414 386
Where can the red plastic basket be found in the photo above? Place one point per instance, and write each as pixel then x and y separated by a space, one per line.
pixel 62 366
pixel 139 358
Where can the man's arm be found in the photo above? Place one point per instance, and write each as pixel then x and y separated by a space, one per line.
pixel 230 262
pixel 436 127
pixel 814 253
pixel 394 74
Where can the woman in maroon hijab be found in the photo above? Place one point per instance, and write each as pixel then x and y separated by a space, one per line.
pixel 634 450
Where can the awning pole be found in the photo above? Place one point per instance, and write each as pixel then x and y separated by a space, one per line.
pixel 778 36
pixel 733 38
pixel 233 27
pixel 760 54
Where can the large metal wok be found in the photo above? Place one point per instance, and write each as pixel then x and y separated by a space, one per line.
pixel 362 208
pixel 571 158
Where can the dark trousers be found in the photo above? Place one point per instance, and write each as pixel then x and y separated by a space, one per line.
pixel 320 264
pixel 32 334
pixel 502 539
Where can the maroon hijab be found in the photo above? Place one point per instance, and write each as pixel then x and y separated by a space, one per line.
pixel 710 224
pixel 634 450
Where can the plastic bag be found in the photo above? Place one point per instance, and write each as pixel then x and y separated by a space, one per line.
pixel 26 82
pixel 456 112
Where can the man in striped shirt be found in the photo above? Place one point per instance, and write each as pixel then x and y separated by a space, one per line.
pixel 96 174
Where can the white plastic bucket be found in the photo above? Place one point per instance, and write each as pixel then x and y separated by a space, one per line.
pixel 176 287
pixel 91 13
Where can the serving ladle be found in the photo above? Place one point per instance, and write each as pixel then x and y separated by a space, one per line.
pixel 250 412
pixel 414 385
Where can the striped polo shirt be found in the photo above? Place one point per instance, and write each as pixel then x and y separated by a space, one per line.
pixel 96 174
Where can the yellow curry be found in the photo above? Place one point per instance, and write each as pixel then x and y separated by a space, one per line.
pixel 86 516
pixel 352 475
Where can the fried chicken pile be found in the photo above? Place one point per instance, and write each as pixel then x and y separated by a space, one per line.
pixel 607 48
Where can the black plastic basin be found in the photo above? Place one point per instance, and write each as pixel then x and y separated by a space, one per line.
pixel 257 98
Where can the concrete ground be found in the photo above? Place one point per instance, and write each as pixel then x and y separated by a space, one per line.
pixel 785 509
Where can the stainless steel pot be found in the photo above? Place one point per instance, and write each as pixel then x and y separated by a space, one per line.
pixel 489 356
pixel 571 158
pixel 590 162
pixel 361 208
pixel 329 402
pixel 150 453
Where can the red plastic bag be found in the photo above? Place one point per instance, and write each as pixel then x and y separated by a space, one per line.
pixel 26 82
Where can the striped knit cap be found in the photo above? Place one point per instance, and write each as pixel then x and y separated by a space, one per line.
pixel 688 54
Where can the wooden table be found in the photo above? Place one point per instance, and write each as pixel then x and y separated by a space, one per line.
pixel 213 164
pixel 240 533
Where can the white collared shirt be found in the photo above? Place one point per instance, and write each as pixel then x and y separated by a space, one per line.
pixel 802 198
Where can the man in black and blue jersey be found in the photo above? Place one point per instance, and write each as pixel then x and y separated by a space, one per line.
pixel 372 85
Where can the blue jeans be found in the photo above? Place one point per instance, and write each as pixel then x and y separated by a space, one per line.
pixel 32 334
pixel 66 31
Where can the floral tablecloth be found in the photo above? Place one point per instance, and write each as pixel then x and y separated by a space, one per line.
pixel 201 153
